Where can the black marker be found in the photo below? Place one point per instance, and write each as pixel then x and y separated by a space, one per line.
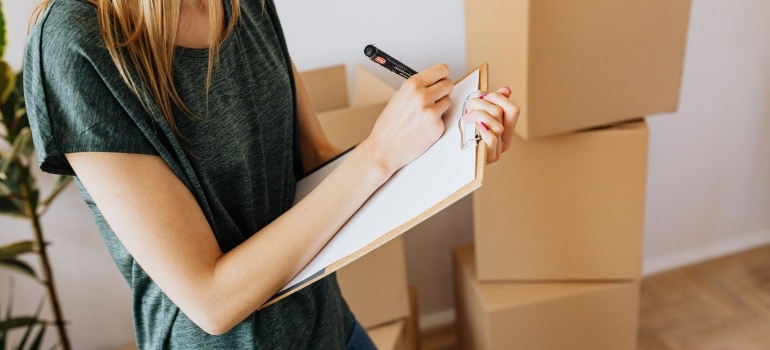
pixel 388 62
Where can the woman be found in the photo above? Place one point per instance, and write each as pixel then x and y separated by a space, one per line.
pixel 186 126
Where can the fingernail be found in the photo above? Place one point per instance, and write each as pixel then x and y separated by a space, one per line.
pixel 484 125
pixel 482 95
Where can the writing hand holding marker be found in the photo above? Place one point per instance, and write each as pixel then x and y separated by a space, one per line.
pixel 494 112
pixel 411 121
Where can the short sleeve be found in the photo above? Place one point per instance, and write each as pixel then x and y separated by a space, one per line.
pixel 69 105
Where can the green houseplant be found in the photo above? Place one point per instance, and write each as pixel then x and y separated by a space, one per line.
pixel 20 197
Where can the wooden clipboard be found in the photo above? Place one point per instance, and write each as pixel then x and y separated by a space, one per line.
pixel 449 170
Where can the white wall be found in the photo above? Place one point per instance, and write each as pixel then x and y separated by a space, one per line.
pixel 708 192
pixel 709 166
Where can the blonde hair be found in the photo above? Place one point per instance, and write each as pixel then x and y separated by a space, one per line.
pixel 142 34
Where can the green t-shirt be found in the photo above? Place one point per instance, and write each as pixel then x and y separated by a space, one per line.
pixel 239 157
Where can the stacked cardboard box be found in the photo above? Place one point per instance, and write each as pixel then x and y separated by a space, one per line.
pixel 574 65
pixel 402 334
pixel 558 223
pixel 568 207
pixel 374 286
pixel 543 315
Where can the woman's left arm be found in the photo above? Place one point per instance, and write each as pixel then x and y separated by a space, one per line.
pixel 315 147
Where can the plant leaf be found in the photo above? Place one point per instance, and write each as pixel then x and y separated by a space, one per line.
pixel 13 250
pixel 2 33
pixel 38 342
pixel 19 266
pixel 19 143
pixel 3 328
pixel 20 103
pixel 13 175
pixel 41 330
pixel 3 337
pixel 11 207
pixel 9 203
pixel 18 322
pixel 26 183
pixel 7 83
pixel 14 109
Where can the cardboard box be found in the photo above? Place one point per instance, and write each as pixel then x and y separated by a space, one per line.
pixel 328 87
pixel 391 336
pixel 347 127
pixel 403 334
pixel 568 207
pixel 580 64
pixel 370 89
pixel 412 328
pixel 375 286
pixel 542 316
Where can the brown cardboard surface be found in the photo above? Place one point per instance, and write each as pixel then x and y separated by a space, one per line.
pixel 539 316
pixel 370 89
pixel 375 286
pixel 327 87
pixel 346 124
pixel 389 336
pixel 347 127
pixel 412 338
pixel 403 334
pixel 568 207
pixel 580 64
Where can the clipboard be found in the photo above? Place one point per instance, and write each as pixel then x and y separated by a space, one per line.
pixel 452 168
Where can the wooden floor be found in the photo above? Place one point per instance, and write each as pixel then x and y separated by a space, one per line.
pixel 719 304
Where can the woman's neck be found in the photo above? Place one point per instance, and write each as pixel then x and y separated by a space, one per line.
pixel 195 24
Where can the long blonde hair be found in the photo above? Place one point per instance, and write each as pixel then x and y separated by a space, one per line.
pixel 142 34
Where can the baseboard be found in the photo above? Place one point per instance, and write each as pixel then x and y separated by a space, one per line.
pixel 704 252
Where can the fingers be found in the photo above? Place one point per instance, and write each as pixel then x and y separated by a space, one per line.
pixel 496 116
pixel 435 82
pixel 509 116
pixel 431 75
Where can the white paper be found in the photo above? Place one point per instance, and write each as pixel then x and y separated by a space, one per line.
pixel 441 171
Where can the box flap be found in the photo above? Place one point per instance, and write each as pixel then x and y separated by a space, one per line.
pixel 327 87
pixel 370 89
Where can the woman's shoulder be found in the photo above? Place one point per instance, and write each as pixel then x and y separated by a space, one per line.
pixel 69 13
pixel 68 22
pixel 66 38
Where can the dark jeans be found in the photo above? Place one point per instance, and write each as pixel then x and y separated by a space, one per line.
pixel 358 339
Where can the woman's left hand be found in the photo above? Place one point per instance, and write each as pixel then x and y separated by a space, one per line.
pixel 495 116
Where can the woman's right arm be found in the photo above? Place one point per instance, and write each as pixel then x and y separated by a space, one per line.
pixel 160 223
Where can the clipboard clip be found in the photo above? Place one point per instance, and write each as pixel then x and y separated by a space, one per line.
pixel 467 137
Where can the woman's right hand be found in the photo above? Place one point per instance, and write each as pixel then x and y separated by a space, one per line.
pixel 411 122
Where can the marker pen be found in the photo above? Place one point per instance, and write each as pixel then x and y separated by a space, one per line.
pixel 388 62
